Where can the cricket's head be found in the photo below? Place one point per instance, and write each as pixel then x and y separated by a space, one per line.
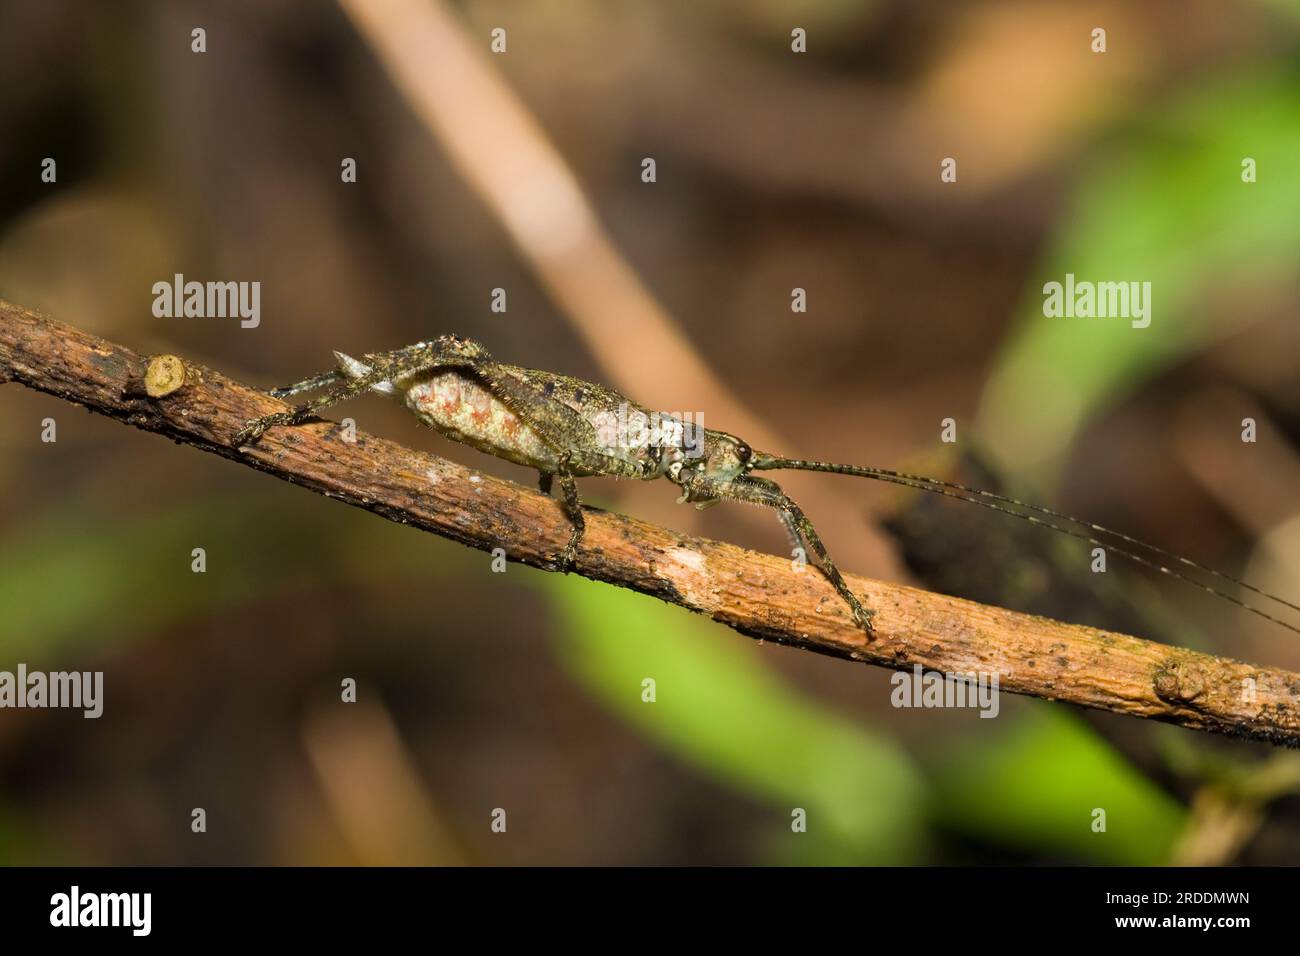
pixel 723 458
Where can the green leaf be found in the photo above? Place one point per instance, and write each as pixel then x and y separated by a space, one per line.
pixel 719 707
pixel 1038 785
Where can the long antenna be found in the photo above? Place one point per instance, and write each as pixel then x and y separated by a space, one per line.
pixel 996 502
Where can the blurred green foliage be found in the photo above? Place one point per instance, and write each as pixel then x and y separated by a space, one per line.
pixel 721 708
pixel 1166 203
pixel 67 577
pixel 1036 784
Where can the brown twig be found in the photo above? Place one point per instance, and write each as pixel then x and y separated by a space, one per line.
pixel 757 594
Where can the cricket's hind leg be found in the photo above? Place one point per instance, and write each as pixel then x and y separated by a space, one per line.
pixel 312 384
pixel 354 377
pixel 763 491
pixel 337 392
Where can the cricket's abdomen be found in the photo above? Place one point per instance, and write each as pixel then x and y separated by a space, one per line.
pixel 459 407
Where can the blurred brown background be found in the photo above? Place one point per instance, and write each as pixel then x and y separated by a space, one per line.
pixel 521 170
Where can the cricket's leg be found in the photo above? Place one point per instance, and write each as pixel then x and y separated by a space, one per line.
pixel 544 479
pixel 340 391
pixel 308 385
pixel 573 511
pixel 762 491
pixel 447 352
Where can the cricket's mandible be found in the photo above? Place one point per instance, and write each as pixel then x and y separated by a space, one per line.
pixel 562 427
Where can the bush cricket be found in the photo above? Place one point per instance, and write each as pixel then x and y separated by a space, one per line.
pixel 561 425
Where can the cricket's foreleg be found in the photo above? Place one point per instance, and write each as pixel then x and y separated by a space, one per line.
pixel 572 510
pixel 795 518
pixel 544 479
pixel 762 491
pixel 860 614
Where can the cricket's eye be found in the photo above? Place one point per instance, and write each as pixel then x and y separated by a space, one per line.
pixel 675 470
pixel 743 452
